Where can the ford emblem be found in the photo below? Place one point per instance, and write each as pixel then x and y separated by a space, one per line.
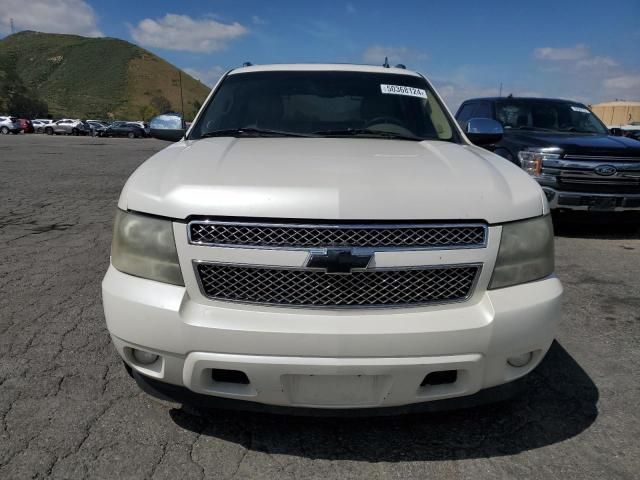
pixel 605 170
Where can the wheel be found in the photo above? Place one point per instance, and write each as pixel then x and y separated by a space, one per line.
pixel 39 130
pixel 48 131
pixel 4 131
pixel 75 132
pixel 131 135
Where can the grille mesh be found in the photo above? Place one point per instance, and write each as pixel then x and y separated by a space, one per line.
pixel 303 236
pixel 300 287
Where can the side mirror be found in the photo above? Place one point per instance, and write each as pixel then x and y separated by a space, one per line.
pixel 167 127
pixel 616 132
pixel 484 131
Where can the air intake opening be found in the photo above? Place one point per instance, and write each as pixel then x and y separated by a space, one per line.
pixel 440 378
pixel 229 376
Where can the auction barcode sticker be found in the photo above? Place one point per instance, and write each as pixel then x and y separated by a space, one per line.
pixel 401 90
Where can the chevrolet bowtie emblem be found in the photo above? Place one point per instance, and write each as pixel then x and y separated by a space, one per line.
pixel 338 260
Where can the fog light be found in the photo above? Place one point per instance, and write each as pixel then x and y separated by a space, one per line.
pixel 144 358
pixel 520 360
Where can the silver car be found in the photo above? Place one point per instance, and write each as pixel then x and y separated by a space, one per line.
pixel 66 126
pixel 9 125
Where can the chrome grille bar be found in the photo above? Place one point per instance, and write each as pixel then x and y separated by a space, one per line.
pixel 378 236
pixel 300 287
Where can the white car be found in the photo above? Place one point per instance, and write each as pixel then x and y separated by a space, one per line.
pixel 39 125
pixel 325 236
pixel 66 126
pixel 9 125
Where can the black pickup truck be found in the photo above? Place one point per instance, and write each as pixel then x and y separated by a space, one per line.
pixel 580 164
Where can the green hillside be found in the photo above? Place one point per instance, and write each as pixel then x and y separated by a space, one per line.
pixel 90 77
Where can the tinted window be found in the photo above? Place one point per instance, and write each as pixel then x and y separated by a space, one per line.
pixel 465 112
pixel 482 110
pixel 318 102
pixel 552 115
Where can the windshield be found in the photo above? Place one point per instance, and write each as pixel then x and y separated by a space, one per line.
pixel 325 104
pixel 550 115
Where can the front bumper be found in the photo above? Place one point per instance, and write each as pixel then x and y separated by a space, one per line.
pixel 603 202
pixel 330 359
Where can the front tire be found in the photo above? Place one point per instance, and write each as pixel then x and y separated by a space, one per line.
pixel 48 131
pixel 4 131
pixel 131 135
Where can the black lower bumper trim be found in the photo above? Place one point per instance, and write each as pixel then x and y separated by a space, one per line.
pixel 175 393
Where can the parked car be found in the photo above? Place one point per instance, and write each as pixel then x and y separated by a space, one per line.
pixel 66 126
pixel 144 126
pixel 326 236
pixel 97 128
pixel 38 125
pixel 566 148
pixel 124 129
pixel 25 125
pixel 9 125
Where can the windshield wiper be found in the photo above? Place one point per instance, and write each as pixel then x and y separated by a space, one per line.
pixel 354 132
pixel 526 127
pixel 251 132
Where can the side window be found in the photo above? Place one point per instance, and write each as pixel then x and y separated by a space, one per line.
pixel 465 113
pixel 483 110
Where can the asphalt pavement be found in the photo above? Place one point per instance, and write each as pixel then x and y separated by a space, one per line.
pixel 69 410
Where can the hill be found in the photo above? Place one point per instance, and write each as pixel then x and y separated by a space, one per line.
pixel 91 77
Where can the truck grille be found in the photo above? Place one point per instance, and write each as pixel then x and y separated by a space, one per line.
pixel 314 288
pixel 578 173
pixel 322 235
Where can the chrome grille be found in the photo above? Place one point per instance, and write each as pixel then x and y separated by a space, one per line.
pixel 577 173
pixel 322 235
pixel 313 288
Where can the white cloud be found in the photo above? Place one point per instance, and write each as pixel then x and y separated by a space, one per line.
pixel 377 53
pixel 578 57
pixel 50 16
pixel 578 52
pixel 208 77
pixel 594 62
pixel 181 32
pixel 623 82
pixel 258 20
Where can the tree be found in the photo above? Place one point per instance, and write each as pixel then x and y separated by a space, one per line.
pixel 27 106
pixel 147 112
pixel 161 103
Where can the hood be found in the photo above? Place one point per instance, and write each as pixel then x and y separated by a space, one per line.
pixel 578 144
pixel 331 179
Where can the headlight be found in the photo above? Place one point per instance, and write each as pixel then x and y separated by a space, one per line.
pixel 531 160
pixel 145 247
pixel 525 254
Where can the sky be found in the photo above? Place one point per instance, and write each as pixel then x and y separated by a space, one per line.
pixel 582 50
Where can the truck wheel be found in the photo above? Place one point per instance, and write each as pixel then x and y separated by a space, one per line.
pixel 4 131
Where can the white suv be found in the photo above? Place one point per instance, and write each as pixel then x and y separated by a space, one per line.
pixel 326 236
pixel 9 125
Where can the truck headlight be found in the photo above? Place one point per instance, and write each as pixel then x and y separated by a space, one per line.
pixel 531 160
pixel 525 254
pixel 145 247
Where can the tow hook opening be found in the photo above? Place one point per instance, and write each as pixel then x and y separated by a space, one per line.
pixel 220 375
pixel 442 377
